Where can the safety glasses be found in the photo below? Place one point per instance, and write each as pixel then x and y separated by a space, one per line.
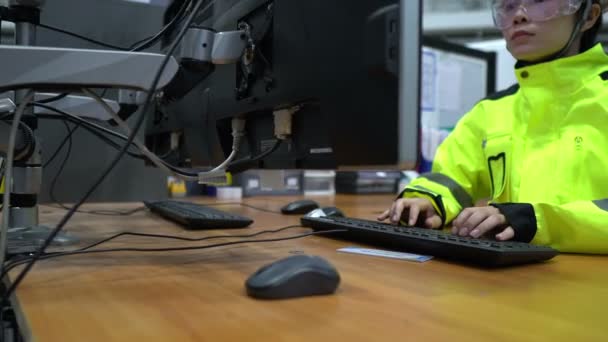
pixel 504 11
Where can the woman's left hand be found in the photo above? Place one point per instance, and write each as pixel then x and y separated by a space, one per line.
pixel 478 221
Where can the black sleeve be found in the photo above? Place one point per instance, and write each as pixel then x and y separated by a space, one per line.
pixel 521 217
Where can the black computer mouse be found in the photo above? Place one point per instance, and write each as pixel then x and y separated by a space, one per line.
pixel 326 211
pixel 299 207
pixel 294 276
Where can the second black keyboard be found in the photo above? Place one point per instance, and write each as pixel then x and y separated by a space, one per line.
pixel 197 216
pixel 434 242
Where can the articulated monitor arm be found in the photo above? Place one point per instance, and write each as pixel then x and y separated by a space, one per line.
pixel 62 69
pixel 50 71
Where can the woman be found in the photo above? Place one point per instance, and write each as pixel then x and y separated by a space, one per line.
pixel 538 150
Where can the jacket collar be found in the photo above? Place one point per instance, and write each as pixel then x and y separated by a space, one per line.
pixel 565 74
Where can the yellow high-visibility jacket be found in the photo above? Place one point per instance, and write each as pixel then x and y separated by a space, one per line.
pixel 538 151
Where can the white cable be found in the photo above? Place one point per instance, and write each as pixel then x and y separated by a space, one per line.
pixel 223 165
pixel 238 133
pixel 144 150
pixel 8 176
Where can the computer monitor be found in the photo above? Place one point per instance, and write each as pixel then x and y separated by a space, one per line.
pixel 353 67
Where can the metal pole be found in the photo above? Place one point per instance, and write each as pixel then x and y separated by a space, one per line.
pixel 27 179
pixel 25 35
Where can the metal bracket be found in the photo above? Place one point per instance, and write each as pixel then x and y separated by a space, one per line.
pixel 205 45
pixel 20 15
pixel 131 97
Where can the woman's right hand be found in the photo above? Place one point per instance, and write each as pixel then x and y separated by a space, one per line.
pixel 415 211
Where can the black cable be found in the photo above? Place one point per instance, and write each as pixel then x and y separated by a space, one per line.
pixel 88 125
pixel 137 46
pixel 11 265
pixel 91 127
pixel 101 212
pixel 75 35
pixel 118 157
pixel 244 205
pixel 181 238
pixel 76 119
pixel 150 41
pixel 56 153
pixel 96 130
pixel 138 209
pixel 246 163
pixel 173 249
pixel 63 163
pixel 68 138
pixel 58 149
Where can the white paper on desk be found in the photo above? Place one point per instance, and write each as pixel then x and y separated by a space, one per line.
pixel 386 254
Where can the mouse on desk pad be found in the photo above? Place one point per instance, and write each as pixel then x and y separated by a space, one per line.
pixel 299 207
pixel 294 276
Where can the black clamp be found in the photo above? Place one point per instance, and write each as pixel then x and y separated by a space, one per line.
pixel 20 14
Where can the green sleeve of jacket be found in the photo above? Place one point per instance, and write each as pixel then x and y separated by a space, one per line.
pixel 456 179
pixel 577 227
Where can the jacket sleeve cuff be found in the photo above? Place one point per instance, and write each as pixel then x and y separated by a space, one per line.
pixel 435 200
pixel 521 217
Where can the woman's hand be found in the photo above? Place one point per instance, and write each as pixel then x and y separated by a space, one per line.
pixel 415 211
pixel 478 221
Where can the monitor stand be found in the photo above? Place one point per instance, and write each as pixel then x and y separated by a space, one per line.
pixel 25 235
pixel 29 239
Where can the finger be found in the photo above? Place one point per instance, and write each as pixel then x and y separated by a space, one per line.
pixel 413 216
pixel 433 222
pixel 392 210
pixel 506 234
pixel 454 229
pixel 398 208
pixel 491 222
pixel 462 217
pixel 472 222
pixel 384 215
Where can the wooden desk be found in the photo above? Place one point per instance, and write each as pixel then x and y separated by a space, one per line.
pixel 200 296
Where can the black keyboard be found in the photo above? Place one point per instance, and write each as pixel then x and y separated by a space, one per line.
pixel 437 243
pixel 197 216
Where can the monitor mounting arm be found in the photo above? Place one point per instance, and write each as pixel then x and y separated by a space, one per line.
pixel 50 71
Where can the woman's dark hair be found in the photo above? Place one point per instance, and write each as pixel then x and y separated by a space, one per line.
pixel 589 37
